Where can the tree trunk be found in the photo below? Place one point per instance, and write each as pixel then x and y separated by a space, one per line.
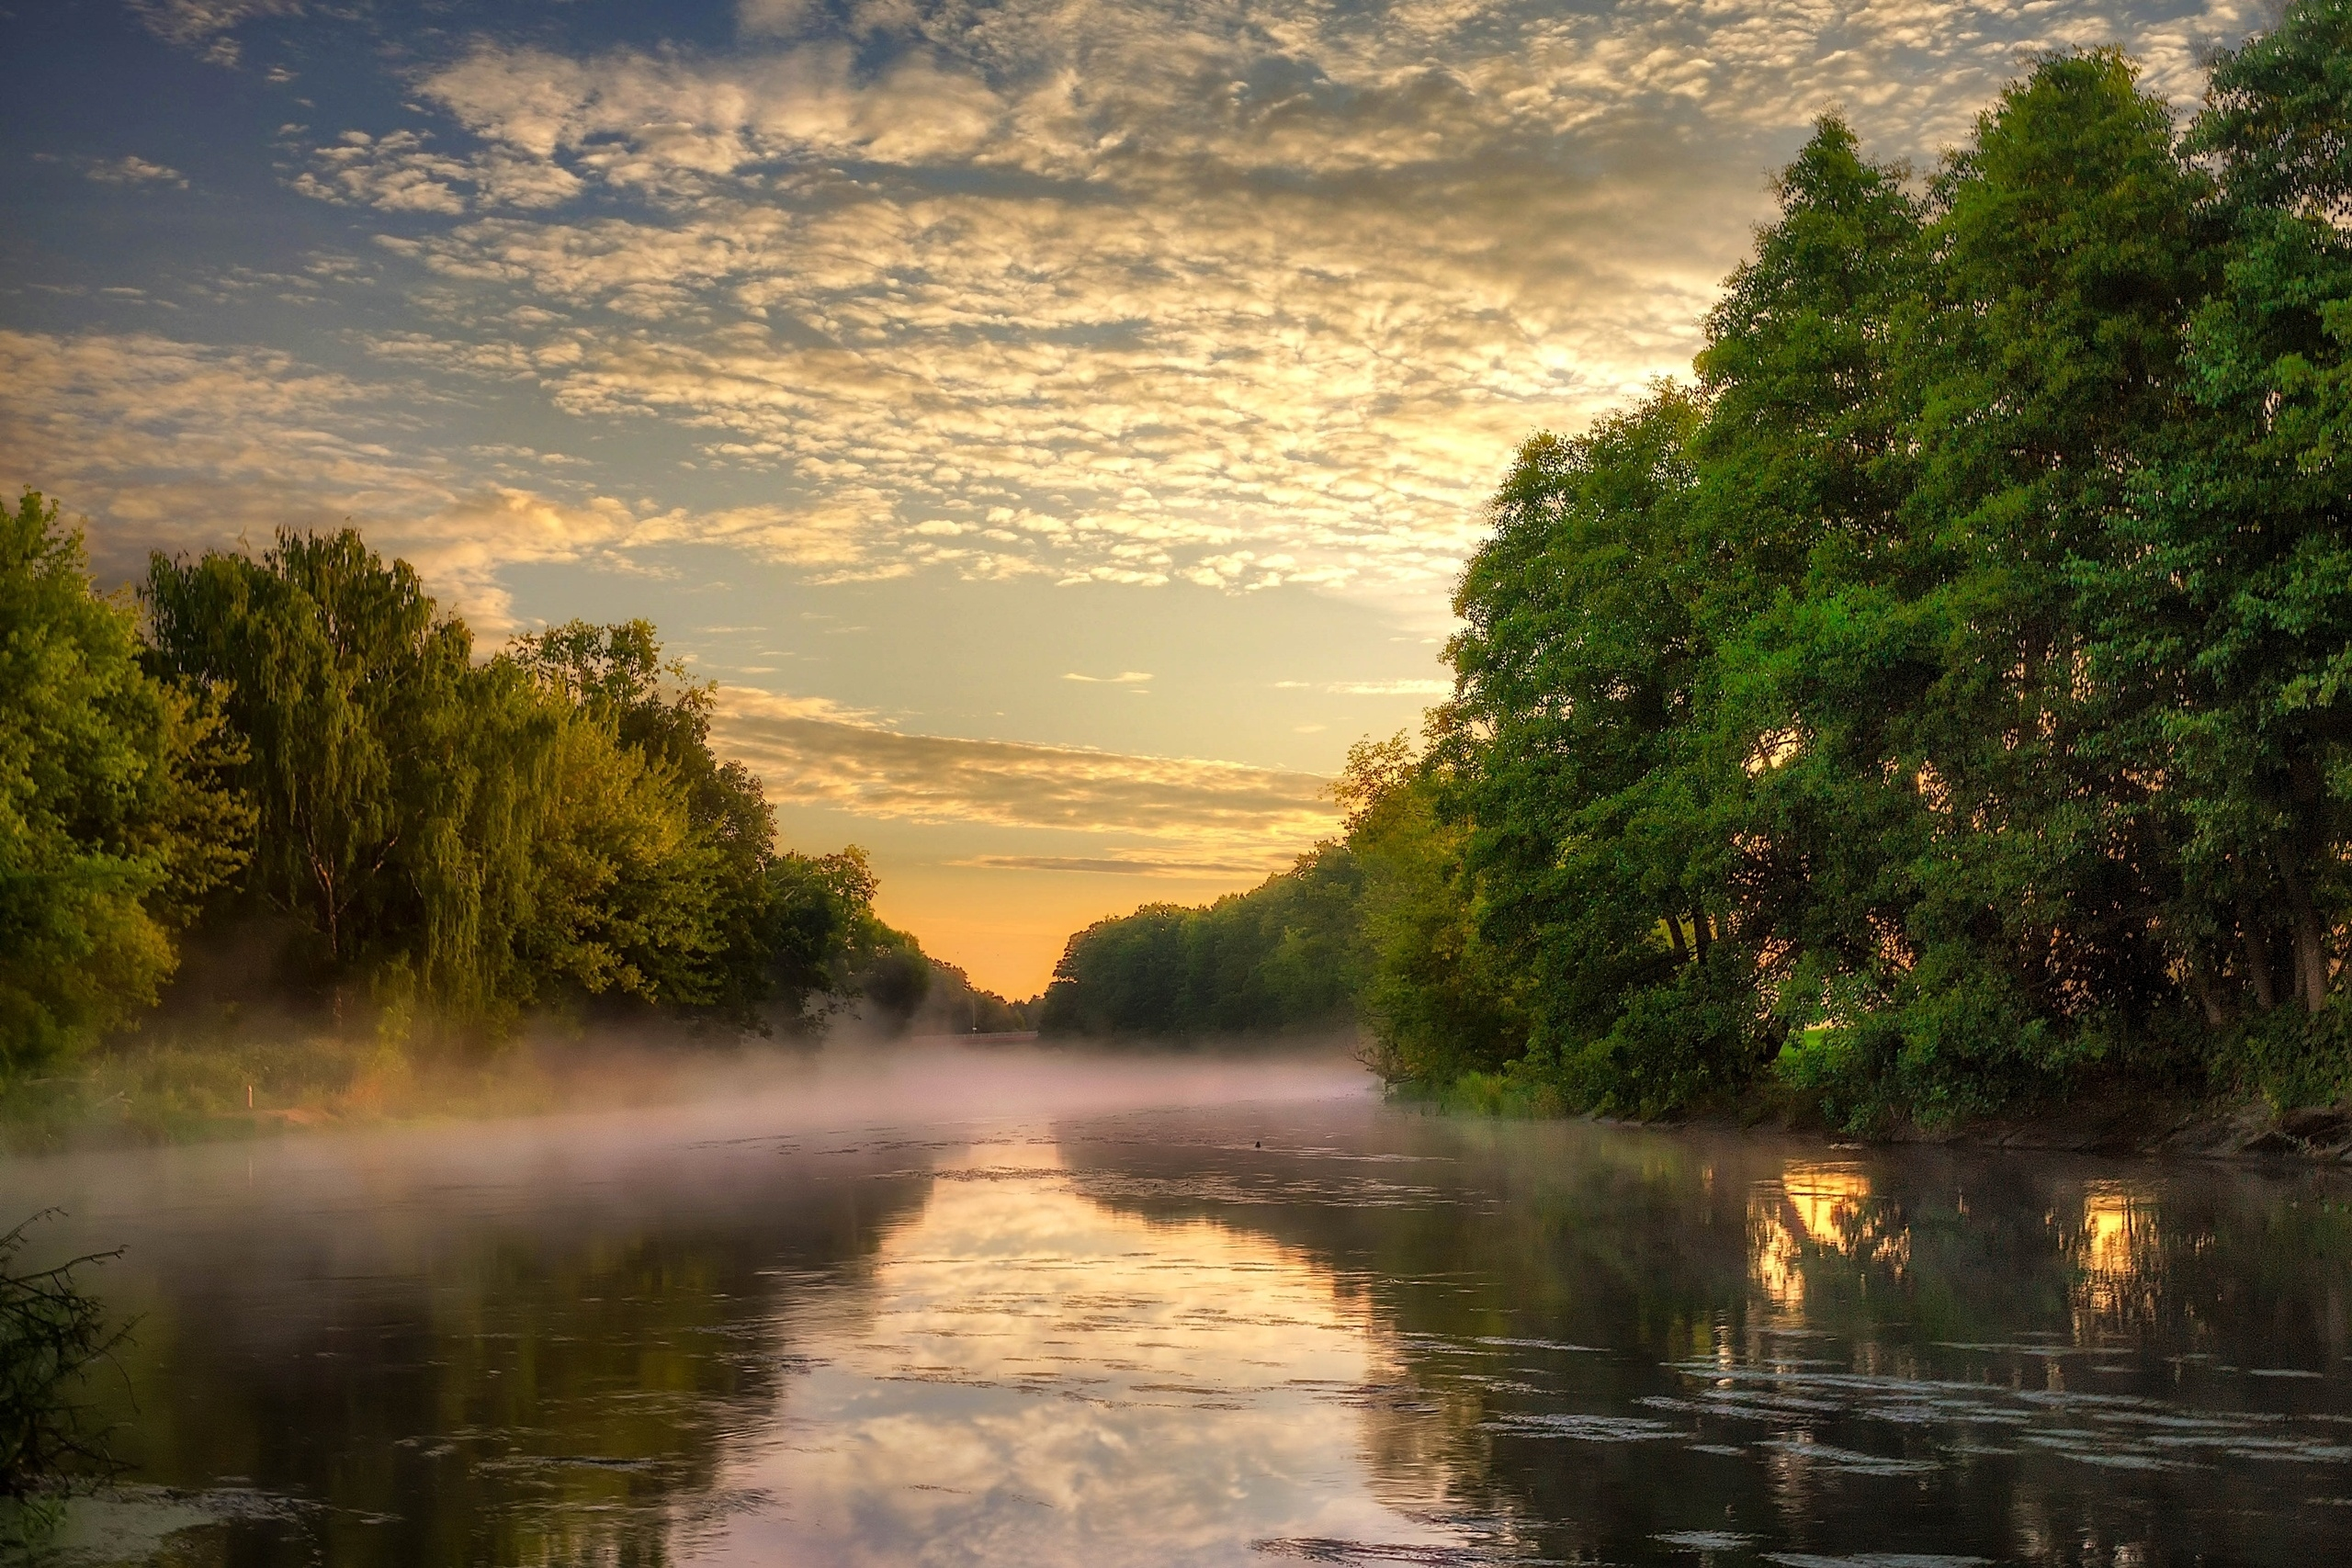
pixel 2310 942
pixel 1700 936
pixel 2200 986
pixel 1674 935
pixel 2311 948
pixel 2257 955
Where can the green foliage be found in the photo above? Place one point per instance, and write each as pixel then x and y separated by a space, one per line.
pixel 1940 707
pixel 1575 752
pixel 1279 957
pixel 491 837
pixel 114 820
pixel 1435 996
pixel 303 757
pixel 1376 931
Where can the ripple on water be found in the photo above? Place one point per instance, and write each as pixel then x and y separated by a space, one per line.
pixel 2111 1431
pixel 1320 1549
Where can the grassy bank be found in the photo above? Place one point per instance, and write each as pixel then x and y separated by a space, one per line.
pixel 175 1091
pixel 235 1080
pixel 2208 1127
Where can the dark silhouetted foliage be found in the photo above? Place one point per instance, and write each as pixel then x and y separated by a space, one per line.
pixel 52 1335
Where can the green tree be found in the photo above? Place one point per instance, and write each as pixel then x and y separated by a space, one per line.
pixel 2234 612
pixel 1575 752
pixel 1435 997
pixel 343 679
pixel 113 820
pixel 1804 462
pixel 2065 256
pixel 1280 957
pixel 546 826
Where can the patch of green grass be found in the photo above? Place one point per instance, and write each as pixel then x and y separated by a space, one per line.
pixel 229 1084
pixel 1513 1092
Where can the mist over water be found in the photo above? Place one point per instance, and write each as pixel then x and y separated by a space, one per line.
pixel 952 1304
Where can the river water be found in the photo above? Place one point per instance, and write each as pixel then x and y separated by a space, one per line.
pixel 1023 1308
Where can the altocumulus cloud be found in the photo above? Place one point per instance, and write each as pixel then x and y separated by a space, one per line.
pixel 1129 290
pixel 182 447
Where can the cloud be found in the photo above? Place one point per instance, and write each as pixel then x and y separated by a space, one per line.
pixel 205 27
pixel 1124 677
pixel 1226 294
pixel 1242 814
pixel 1117 865
pixel 183 446
pixel 773 18
pixel 1235 295
pixel 134 170
pixel 1413 688
pixel 399 173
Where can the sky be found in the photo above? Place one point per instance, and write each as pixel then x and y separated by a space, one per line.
pixel 1056 425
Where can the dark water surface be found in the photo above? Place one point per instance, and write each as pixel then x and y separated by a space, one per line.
pixel 1029 1309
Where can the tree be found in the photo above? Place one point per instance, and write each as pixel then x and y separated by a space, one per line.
pixel 2234 612
pixel 546 826
pixel 115 820
pixel 1574 755
pixel 1436 997
pixel 2065 256
pixel 342 678
pixel 1958 860
pixel 616 676
pixel 1280 957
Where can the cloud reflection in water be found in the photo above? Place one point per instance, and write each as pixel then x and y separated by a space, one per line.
pixel 1034 1378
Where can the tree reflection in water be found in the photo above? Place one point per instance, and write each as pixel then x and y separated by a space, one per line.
pixel 1313 1329
pixel 1651 1343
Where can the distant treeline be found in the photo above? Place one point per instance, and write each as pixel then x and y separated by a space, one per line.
pixel 1279 958
pixel 1944 705
pixel 297 758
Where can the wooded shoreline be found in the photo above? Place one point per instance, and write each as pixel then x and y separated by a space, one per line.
pixel 1940 710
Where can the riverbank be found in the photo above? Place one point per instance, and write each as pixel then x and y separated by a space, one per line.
pixel 144 1093
pixel 152 1092
pixel 2143 1126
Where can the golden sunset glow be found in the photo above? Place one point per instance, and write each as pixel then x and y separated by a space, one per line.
pixel 1815 1209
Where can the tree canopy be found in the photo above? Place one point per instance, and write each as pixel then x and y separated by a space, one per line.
pixel 299 752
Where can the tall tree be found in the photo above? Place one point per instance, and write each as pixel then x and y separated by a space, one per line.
pixel 339 675
pixel 1805 461
pixel 2066 256
pixel 115 820
pixel 1575 752
pixel 2235 613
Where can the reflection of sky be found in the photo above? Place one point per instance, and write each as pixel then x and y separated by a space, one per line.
pixel 1810 1207
pixel 2116 1255
pixel 1034 1379
pixel 1116 373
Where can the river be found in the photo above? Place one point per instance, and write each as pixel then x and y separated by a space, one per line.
pixel 1025 1307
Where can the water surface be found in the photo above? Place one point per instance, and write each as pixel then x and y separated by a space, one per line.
pixel 1023 1308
